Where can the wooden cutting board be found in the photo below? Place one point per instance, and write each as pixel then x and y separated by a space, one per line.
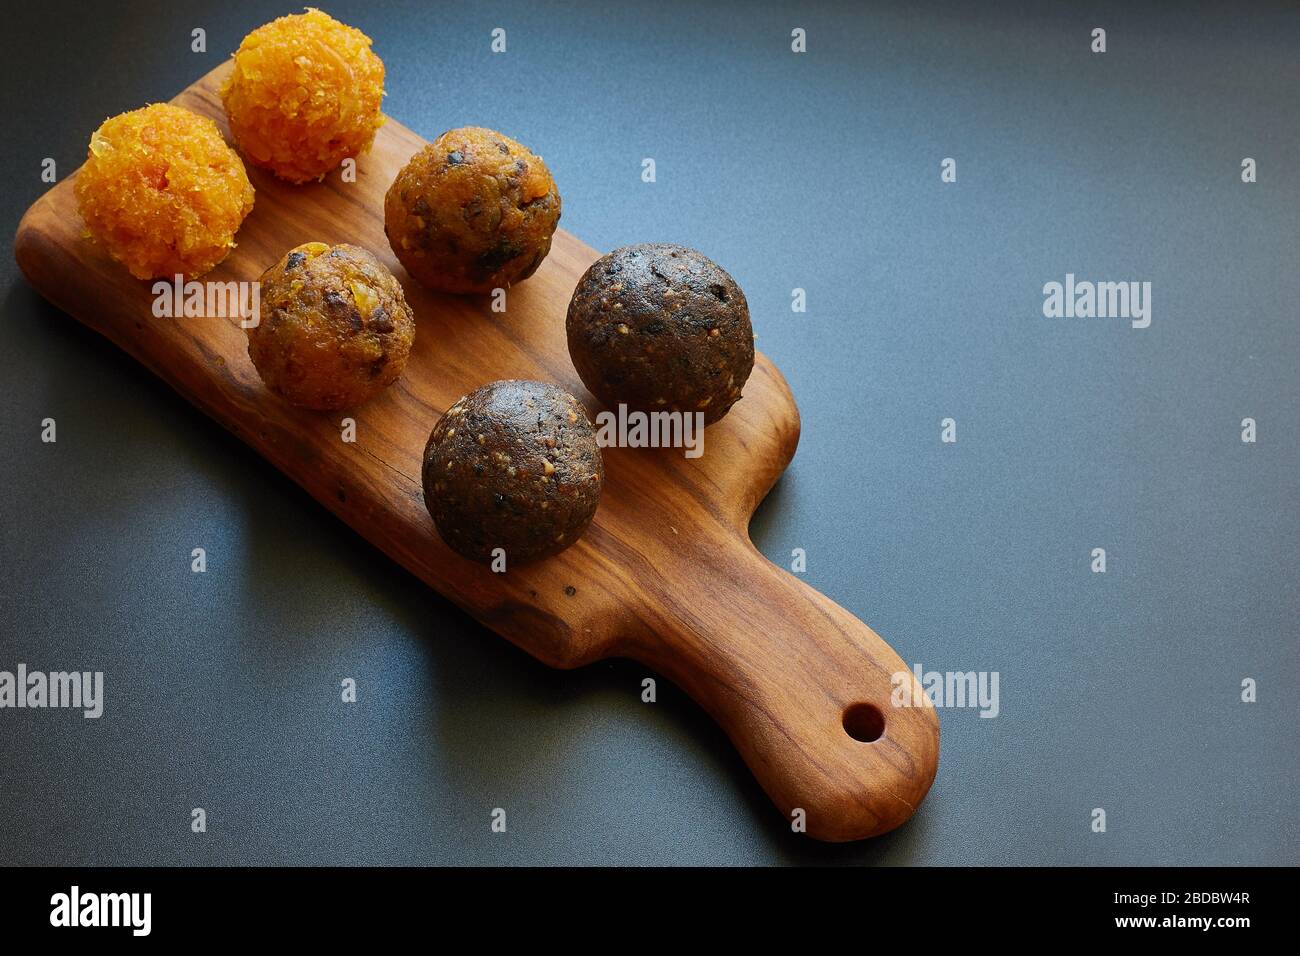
pixel 665 575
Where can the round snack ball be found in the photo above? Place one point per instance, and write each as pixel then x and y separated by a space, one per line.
pixel 660 327
pixel 304 95
pixel 334 329
pixel 513 465
pixel 163 192
pixel 471 212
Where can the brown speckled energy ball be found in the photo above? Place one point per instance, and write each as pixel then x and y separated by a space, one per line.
pixel 660 327
pixel 335 329
pixel 471 212
pixel 513 465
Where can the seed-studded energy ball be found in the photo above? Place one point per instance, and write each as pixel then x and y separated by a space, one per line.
pixel 660 327
pixel 334 329
pixel 304 94
pixel 471 212
pixel 163 192
pixel 513 465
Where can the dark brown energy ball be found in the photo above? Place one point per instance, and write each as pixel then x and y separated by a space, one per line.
pixel 513 465
pixel 471 212
pixel 334 327
pixel 660 327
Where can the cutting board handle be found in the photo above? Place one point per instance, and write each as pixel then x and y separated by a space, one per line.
pixel 803 688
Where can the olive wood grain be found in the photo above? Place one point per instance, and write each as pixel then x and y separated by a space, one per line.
pixel 665 575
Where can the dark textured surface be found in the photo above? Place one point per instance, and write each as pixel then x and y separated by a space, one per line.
pixel 818 171
pixel 659 327
pixel 486 479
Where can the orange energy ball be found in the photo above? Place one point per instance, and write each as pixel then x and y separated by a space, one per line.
pixel 304 95
pixel 471 212
pixel 334 328
pixel 163 192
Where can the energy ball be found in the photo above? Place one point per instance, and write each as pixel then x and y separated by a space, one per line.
pixel 304 95
pixel 162 192
pixel 513 465
pixel 334 329
pixel 471 212
pixel 660 327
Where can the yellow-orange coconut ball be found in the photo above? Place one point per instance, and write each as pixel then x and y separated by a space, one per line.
pixel 471 212
pixel 304 95
pixel 334 328
pixel 163 192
